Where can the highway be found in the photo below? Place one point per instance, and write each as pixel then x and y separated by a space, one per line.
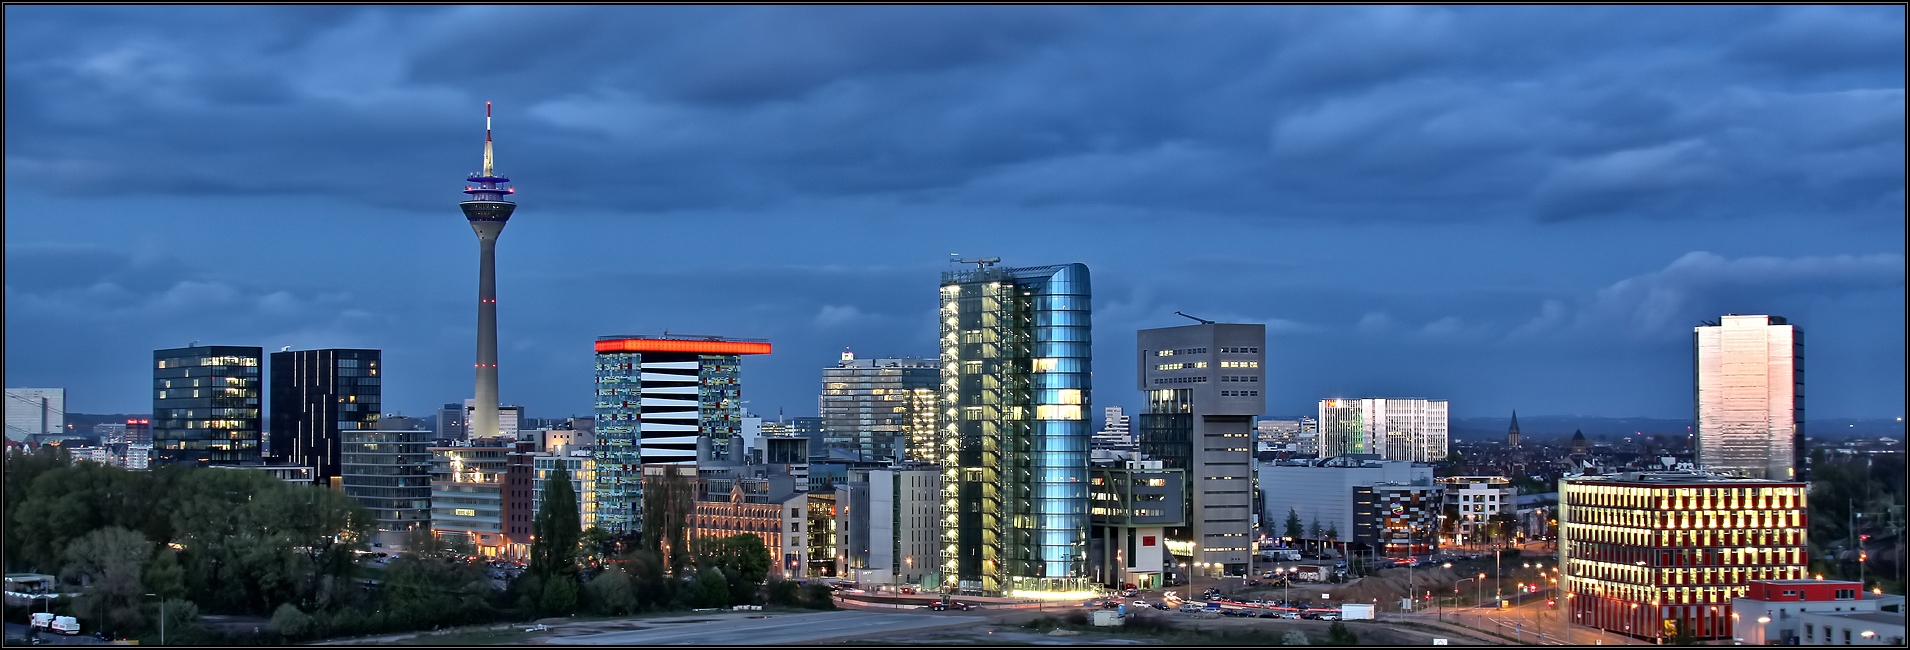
pixel 738 629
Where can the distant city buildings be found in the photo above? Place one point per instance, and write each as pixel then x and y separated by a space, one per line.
pixel 206 407
pixel 1114 435
pixel 1648 553
pixel 1398 519
pixel 656 398
pixel 1321 492
pixel 1016 361
pixel 35 412
pixel 1394 429
pixel 317 395
pixel 450 425
pixel 1750 396
pixel 880 408
pixel 1473 501
pixel 1204 385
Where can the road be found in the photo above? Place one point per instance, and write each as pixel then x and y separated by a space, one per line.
pixel 1531 622
pixel 738 629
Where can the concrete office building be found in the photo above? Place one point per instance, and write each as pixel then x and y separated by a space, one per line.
pixel 1472 502
pixel 581 464
pixel 450 425
pixel 1395 429
pixel 889 530
pixel 1645 553
pixel 316 396
pixel 1205 385
pixel 1749 396
pixel 1016 362
pixel 656 398
pixel 879 408
pixel 35 412
pixel 1321 491
pixel 388 472
pixel 1132 504
pixel 206 406
pixel 469 499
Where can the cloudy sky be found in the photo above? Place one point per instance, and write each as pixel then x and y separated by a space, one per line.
pixel 1508 207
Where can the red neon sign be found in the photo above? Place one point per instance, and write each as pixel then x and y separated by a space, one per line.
pixel 684 346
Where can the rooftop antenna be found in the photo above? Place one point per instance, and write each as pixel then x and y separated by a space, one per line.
pixel 487 139
pixel 979 262
pixel 1203 321
pixel 193 344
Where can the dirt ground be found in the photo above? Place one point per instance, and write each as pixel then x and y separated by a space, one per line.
pixel 1178 630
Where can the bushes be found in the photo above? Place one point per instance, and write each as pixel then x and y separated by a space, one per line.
pixel 1339 635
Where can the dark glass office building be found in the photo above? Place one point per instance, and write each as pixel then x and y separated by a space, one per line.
pixel 1014 439
pixel 316 394
pixel 206 406
pixel 389 472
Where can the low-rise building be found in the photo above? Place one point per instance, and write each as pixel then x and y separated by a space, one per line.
pixel 1473 501
pixel 1398 519
pixel 1321 491
pixel 888 528
pixel 1131 504
pixel 736 505
pixel 1815 612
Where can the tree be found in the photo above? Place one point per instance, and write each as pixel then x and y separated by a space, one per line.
pixel 1316 532
pixel 1332 532
pixel 597 544
pixel 291 622
pixel 110 562
pixel 1294 529
pixel 1682 634
pixel 1294 637
pixel 1338 634
pixel 610 593
pixel 555 533
pixel 711 589
pixel 669 500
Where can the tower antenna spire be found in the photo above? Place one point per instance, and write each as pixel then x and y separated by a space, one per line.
pixel 487 139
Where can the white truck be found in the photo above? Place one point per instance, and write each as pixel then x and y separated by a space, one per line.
pixel 42 620
pixel 1356 612
pixel 66 625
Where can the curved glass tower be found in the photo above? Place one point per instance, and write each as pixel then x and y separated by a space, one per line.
pixel 487 210
pixel 1015 388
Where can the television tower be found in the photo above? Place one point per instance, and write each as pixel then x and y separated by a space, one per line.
pixel 487 210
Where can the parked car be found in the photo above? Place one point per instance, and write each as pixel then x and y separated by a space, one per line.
pixel 1161 606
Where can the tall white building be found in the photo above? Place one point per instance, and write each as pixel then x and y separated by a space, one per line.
pixel 1114 434
pixel 1395 429
pixel 35 411
pixel 508 418
pixel 1750 396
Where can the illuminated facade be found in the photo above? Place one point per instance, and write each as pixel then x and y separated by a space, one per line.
pixel 1398 519
pixel 1204 385
pixel 1015 366
pixel 316 396
pixel 1472 501
pixel 871 407
pixel 389 472
pixel 1644 553
pixel 206 406
pixel 727 507
pixel 468 499
pixel 656 397
pixel 1750 396
pixel 1395 429
pixel 1131 505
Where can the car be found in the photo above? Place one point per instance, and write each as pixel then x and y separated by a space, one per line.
pixel 1329 616
pixel 1131 592
pixel 540 627
pixel 1140 603
pixel 1161 606
pixel 938 606
pixel 1269 614
pixel 1552 602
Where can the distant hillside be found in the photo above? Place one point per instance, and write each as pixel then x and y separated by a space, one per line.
pixel 1548 427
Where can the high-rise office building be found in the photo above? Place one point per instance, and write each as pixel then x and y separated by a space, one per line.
pixel 656 397
pixel 1205 384
pixel 206 406
pixel 35 411
pixel 451 423
pixel 870 406
pixel 487 211
pixel 1750 396
pixel 316 395
pixel 1014 395
pixel 1394 429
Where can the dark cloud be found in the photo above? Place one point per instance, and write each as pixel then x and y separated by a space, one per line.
pixel 1455 186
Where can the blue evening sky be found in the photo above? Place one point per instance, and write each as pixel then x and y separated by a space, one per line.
pixel 1507 207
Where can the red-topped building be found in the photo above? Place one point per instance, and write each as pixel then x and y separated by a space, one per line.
pixel 1646 554
pixel 1816 612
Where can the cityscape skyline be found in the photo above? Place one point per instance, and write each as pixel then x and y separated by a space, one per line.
pixel 1492 312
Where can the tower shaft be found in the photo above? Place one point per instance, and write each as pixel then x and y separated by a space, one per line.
pixel 484 415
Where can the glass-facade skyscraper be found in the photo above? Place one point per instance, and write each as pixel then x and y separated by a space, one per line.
pixel 1750 396
pixel 316 394
pixel 1394 429
pixel 877 407
pixel 1015 388
pixel 657 399
pixel 206 405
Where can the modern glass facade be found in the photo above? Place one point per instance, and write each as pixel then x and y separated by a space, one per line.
pixel 1644 553
pixel 1015 387
pixel 206 406
pixel 871 406
pixel 1750 396
pixel 1395 429
pixel 389 472
pixel 656 398
pixel 317 395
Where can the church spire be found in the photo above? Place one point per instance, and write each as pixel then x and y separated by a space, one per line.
pixel 1512 433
